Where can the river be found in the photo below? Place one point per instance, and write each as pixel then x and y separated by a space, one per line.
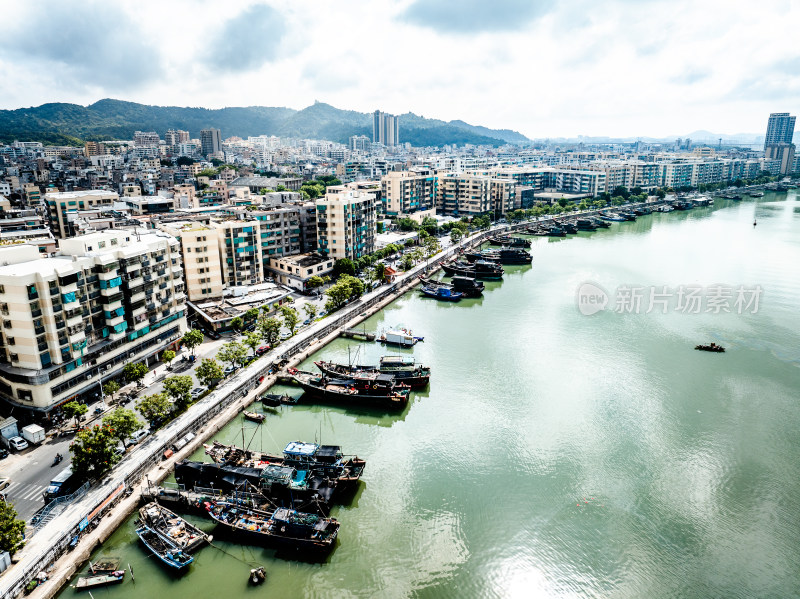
pixel 563 454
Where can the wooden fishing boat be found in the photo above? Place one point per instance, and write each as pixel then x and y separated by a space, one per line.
pixel 166 550
pixel 374 391
pixel 166 523
pixel 517 242
pixel 441 292
pixel 100 580
pixel 403 370
pixel 306 533
pixel 480 269
pixel 254 416
pixel 467 286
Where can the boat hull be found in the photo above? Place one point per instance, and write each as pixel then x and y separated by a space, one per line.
pixel 471 272
pixel 390 402
pixel 413 380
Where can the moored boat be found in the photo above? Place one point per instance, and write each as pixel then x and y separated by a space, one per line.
pixel 373 391
pixel 517 242
pixel 273 400
pixel 307 533
pixel 611 217
pixel 166 550
pixel 403 370
pixel 756 194
pixel 168 524
pixel 400 337
pixel 502 256
pixel 585 224
pixel 480 269
pixel 254 416
pixel 467 286
pixel 100 580
pixel 441 292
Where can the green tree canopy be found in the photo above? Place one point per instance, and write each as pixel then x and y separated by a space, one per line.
pixel 75 410
pixel 93 452
pixel 134 372
pixel 232 353
pixel 123 423
pixel 237 324
pixel 290 318
pixel 12 530
pixel 270 330
pixel 154 407
pixel 314 282
pixel 456 235
pixel 209 372
pixel 110 389
pixel 167 356
pixel 344 266
pixel 310 310
pixel 192 339
pixel 179 389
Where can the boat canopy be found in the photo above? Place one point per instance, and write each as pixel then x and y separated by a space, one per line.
pixel 300 449
pixel 276 473
pixel 397 360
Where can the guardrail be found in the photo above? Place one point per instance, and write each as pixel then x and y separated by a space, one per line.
pixel 39 519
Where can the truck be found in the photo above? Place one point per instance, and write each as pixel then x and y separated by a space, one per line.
pixel 33 434
pixel 64 483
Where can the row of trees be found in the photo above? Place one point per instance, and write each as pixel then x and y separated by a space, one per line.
pixel 345 289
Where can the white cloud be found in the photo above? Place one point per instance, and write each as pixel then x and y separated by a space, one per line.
pixel 568 68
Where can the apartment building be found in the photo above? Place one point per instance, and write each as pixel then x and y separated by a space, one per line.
pixel 72 321
pixel 463 194
pixel 346 223
pixel 407 192
pixel 295 271
pixel 61 204
pixel 199 246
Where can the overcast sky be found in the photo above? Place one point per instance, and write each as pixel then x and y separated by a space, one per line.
pixel 544 68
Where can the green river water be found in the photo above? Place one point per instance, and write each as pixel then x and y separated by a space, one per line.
pixel 557 454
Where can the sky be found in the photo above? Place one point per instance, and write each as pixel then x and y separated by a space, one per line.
pixel 545 68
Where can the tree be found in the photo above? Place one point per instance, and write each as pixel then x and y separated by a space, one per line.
pixel 314 282
pixel 12 531
pixel 155 407
pixel 252 340
pixel 407 224
pixel 232 353
pixel 123 423
pixel 290 318
pixel 93 452
pixel 617 200
pixel 167 357
pixel 455 235
pixel 192 339
pixel 431 246
pixel 621 190
pixel 599 203
pixel 251 315
pixel 270 330
pixel 281 188
pixel 110 389
pixel 209 372
pixel 75 410
pixel 179 388
pixel 310 310
pixel 237 324
pixel 379 272
pixel 563 202
pixel 184 161
pixel 343 266
pixel 134 372
pixel 423 235
pixel 407 263
pixel 661 194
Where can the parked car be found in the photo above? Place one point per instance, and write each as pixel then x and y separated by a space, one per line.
pixel 212 333
pixel 3 453
pixel 197 392
pixel 138 436
pixel 262 350
pixel 5 482
pixel 18 443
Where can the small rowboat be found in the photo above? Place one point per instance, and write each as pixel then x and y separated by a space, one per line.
pixel 713 347
pixel 254 416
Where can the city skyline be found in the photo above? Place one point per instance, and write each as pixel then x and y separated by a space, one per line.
pixel 545 70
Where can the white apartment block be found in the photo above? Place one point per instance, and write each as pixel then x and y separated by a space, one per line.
pixel 61 204
pixel 346 223
pixel 407 192
pixel 72 321
pixel 201 258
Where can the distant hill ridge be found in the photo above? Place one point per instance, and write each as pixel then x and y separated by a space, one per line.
pixel 59 123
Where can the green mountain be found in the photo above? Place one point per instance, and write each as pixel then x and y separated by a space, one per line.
pixel 59 123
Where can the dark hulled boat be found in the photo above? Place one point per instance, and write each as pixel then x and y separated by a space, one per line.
pixel 501 256
pixel 165 549
pixel 307 533
pixel 480 269
pixel 616 218
pixel 516 242
pixel 600 223
pixel 324 460
pixel 467 286
pixel 441 292
pixel 585 224
pixel 403 370
pixel 568 227
pixel 373 391
pixel 712 347
pixel 168 524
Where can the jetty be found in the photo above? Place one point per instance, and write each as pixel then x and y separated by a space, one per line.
pixel 356 334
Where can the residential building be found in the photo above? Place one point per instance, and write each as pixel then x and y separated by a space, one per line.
pixel 93 148
pixel 346 223
pixel 295 271
pixel 359 143
pixel 256 184
pixel 784 152
pixel 406 192
pixel 210 141
pixel 201 262
pixel 147 205
pixel 61 204
pixel 144 139
pixel 463 194
pixel 173 137
pixel 780 129
pixel 74 320
pixel 385 128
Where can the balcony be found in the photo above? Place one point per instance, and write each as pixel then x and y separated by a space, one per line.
pixel 137 297
pixel 135 282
